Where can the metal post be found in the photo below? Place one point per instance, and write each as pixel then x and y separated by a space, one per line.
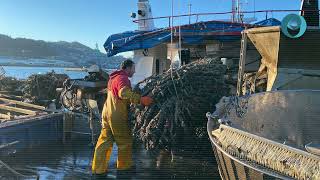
pixel 91 127
pixel 266 15
pixel 91 119
pixel 242 61
pixel 233 15
pixel 189 12
pixel 238 10
pixel 172 3
pixel 68 119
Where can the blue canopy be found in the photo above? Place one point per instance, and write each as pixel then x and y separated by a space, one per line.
pixel 190 34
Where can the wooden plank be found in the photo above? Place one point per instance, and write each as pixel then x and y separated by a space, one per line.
pixel 253 174
pixel 241 172
pixel 18 110
pixel 5 116
pixel 223 166
pixel 11 96
pixel 230 169
pixel 22 103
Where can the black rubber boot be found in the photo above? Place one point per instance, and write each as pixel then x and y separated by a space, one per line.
pixel 99 176
pixel 125 174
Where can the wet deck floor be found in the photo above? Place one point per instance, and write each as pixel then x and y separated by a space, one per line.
pixel 73 161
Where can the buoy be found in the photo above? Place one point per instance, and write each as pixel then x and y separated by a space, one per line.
pixel 293 23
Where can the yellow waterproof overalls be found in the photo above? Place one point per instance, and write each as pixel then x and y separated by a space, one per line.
pixel 115 125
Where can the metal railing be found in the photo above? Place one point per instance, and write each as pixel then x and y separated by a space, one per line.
pixel 267 14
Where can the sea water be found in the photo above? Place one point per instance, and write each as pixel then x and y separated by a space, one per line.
pixel 20 72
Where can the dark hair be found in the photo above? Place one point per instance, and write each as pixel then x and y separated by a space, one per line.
pixel 126 63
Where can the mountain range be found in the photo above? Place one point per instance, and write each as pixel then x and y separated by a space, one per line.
pixel 73 53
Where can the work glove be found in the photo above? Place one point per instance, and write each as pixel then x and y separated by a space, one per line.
pixel 146 100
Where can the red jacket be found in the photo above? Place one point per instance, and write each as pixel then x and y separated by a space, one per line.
pixel 117 81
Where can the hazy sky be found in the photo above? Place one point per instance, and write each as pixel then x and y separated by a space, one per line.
pixel 92 21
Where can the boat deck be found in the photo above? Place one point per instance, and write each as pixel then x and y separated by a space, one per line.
pixel 73 161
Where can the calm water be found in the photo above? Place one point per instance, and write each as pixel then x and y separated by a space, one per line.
pixel 24 72
pixel 21 72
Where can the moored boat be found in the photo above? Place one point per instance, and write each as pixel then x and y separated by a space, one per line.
pixel 270 130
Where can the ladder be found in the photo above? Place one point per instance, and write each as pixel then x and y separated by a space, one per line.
pixel 242 61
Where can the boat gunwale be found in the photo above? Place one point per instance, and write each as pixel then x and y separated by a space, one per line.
pixel 30 119
pixel 279 91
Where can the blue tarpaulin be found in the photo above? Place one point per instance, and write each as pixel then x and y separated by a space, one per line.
pixel 190 34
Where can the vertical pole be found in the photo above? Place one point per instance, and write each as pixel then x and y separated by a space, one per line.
pixel 91 119
pixel 171 26
pixel 189 12
pixel 68 119
pixel 91 127
pixel 238 11
pixel 266 15
pixel 179 7
pixel 242 61
pixel 172 3
pixel 233 15
pixel 64 138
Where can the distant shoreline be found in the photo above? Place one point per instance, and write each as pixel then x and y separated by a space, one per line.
pixel 36 65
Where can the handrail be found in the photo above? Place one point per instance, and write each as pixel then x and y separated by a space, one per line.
pixel 221 13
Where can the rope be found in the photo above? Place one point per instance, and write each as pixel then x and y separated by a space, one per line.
pixel 171 69
pixel 2 72
pixel 19 174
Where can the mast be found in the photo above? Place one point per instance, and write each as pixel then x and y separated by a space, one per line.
pixel 233 15
pixel 236 11
pixel 145 12
pixel 189 5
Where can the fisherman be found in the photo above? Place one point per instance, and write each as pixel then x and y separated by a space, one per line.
pixel 115 125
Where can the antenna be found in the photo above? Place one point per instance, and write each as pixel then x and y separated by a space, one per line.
pixel 239 10
pixel 189 12
pixel 237 6
pixel 97 52
pixel 233 16
pixel 236 11
pixel 97 47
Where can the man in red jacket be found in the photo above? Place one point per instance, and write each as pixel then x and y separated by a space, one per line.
pixel 115 125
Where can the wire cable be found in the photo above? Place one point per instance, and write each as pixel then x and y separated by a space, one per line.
pixel 19 174
pixel 179 7
pixel 171 69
